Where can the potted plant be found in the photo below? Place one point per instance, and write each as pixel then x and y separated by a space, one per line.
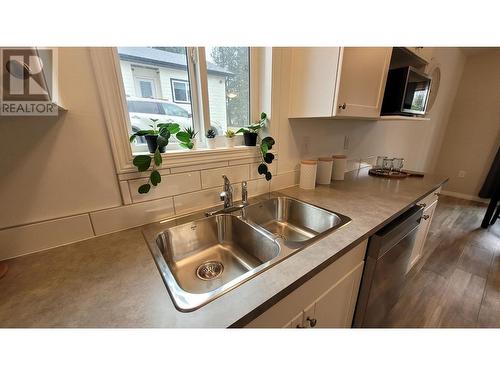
pixel 250 132
pixel 211 133
pixel 151 135
pixel 187 138
pixel 230 138
pixel 160 133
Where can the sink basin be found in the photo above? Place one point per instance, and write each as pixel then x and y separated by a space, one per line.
pixel 204 258
pixel 200 259
pixel 292 220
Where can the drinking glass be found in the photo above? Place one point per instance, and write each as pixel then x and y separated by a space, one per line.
pixel 380 161
pixel 397 164
pixel 388 164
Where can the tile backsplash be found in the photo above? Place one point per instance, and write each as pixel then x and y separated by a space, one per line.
pixel 182 190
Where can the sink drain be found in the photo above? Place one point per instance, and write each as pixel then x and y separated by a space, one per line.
pixel 209 270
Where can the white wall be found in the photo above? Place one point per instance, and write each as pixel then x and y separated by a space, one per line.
pixel 473 133
pixel 416 141
pixel 56 167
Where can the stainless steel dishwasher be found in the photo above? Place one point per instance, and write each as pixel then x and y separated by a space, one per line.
pixel 387 259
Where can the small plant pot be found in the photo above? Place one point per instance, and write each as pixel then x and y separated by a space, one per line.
pixel 250 139
pixel 151 141
pixel 230 142
pixel 211 143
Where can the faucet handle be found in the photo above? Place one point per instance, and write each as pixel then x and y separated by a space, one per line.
pixel 244 192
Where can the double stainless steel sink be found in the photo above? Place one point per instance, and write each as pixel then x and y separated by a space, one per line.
pixel 201 259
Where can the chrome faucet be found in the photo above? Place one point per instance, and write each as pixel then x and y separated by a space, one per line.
pixel 227 193
pixel 244 193
pixel 227 197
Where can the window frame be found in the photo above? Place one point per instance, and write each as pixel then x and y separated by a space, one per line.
pixel 186 85
pixel 106 64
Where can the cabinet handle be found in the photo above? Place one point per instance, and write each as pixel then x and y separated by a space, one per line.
pixel 299 326
pixel 343 106
pixel 423 205
pixel 425 217
pixel 312 322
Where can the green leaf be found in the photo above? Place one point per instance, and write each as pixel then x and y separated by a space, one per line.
pixel 164 132
pixel 242 130
pixel 157 157
pixel 268 158
pixel 142 162
pixel 269 141
pixel 155 177
pixel 255 128
pixel 264 148
pixel 144 189
pixel 132 137
pixel 173 128
pixel 183 137
pixel 263 116
pixel 189 145
pixel 262 169
pixel 161 141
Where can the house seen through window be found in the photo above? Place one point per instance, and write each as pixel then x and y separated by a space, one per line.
pixel 158 84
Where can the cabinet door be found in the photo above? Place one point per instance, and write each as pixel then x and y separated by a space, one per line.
pixel 335 308
pixel 361 81
pixel 423 230
pixel 313 75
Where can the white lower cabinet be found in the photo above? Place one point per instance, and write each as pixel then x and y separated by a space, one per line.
pixel 327 300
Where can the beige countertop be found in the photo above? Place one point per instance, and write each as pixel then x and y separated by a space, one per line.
pixel 112 280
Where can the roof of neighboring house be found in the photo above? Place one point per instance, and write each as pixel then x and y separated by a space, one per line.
pixel 159 57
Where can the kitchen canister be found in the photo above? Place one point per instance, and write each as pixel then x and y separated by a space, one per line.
pixel 308 170
pixel 324 173
pixel 339 167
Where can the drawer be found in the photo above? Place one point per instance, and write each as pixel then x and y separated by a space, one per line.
pixel 431 198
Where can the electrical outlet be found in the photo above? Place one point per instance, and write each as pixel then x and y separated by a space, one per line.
pixel 461 174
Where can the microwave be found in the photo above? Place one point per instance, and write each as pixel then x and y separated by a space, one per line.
pixel 406 92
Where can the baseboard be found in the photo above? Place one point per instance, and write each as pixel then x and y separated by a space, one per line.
pixel 464 196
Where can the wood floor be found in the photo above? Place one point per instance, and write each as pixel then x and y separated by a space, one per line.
pixel 457 281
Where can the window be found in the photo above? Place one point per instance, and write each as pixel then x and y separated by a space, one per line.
pixel 194 87
pixel 146 88
pixel 180 91
pixel 147 74
pixel 228 76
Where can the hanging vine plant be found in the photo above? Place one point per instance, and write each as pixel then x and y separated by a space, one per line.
pixel 266 144
pixel 158 135
pixel 267 157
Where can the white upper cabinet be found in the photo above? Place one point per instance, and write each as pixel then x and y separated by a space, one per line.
pixel 361 79
pixel 338 82
pixel 313 81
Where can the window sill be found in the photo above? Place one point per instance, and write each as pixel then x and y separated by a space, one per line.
pixel 182 158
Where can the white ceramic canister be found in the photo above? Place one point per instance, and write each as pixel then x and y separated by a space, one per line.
pixel 308 170
pixel 324 173
pixel 339 167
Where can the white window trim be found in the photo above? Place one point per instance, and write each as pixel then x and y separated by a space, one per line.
pixel 113 101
